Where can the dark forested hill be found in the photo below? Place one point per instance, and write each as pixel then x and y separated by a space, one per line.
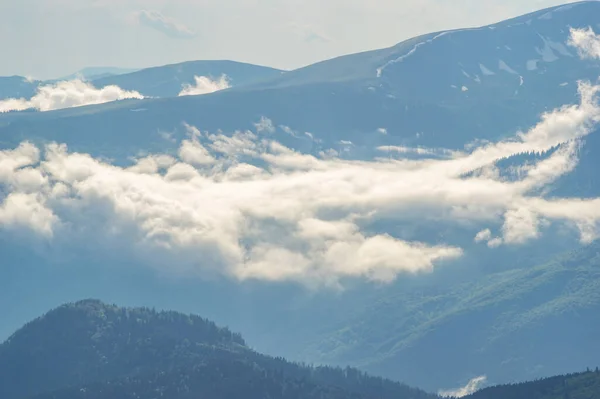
pixel 92 350
pixel 571 386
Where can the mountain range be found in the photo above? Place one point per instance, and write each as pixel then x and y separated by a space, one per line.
pixel 90 350
pixel 512 313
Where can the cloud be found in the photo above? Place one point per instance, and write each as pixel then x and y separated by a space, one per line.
pixel 265 125
pixel 67 94
pixel 520 225
pixel 472 386
pixel 483 235
pixel 167 25
pixel 205 85
pixel 586 42
pixel 248 207
pixel 192 151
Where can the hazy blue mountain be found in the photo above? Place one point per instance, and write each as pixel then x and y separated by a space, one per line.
pixel 573 386
pixel 343 99
pixel 168 80
pixel 425 329
pixel 488 59
pixel 17 87
pixel 92 350
pixel 93 73
pixel 511 326
pixel 160 81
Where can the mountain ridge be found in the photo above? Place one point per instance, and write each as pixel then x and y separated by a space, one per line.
pixel 91 349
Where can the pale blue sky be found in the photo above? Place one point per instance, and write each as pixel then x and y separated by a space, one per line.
pixel 51 38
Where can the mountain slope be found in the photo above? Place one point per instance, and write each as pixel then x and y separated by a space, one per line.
pixel 93 73
pixel 17 87
pixel 168 80
pixel 518 56
pixel 344 99
pixel 572 386
pixel 89 349
pixel 413 99
pixel 91 341
pixel 513 325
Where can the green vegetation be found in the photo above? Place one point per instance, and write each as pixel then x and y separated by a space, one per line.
pixel 92 350
pixel 571 386
pixel 494 325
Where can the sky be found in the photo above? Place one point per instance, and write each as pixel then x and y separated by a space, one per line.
pixel 52 38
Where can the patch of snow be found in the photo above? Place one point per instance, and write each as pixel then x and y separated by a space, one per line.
pixel 546 52
pixel 546 16
pixel 416 47
pixel 465 73
pixel 563 84
pixel 560 48
pixel 453 86
pixel 504 67
pixel 566 7
pixel 464 88
pixel 485 70
pixel 521 80
pixel 477 79
pixel 404 56
pixel 507 47
pixel 532 65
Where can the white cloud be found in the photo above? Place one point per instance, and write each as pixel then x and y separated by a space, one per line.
pixel 205 85
pixel 237 145
pixel 265 125
pixel 483 235
pixel 520 225
pixel 586 42
pixel 167 25
pixel 192 151
pixel 250 208
pixel 495 242
pixel 153 164
pixel 67 94
pixel 472 386
pixel 27 210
